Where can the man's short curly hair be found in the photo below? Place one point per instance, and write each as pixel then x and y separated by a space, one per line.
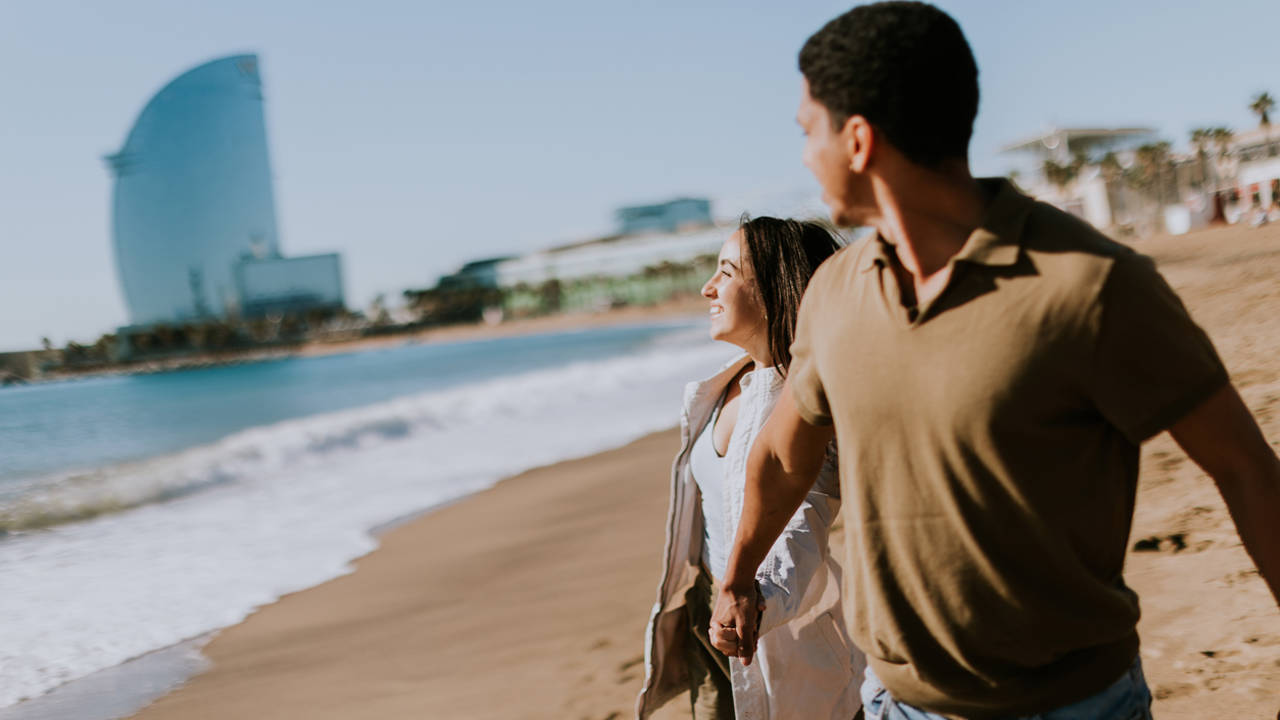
pixel 904 66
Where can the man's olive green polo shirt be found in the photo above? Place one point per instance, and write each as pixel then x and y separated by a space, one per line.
pixel 989 452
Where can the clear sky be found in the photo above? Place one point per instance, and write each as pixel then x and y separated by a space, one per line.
pixel 414 136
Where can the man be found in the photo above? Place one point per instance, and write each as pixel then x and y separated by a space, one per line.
pixel 989 366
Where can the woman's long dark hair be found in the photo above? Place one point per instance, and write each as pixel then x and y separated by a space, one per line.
pixel 783 255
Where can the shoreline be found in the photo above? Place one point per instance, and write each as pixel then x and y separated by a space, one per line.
pixel 122 690
pixel 672 309
pixel 131 688
pixel 406 467
pixel 287 641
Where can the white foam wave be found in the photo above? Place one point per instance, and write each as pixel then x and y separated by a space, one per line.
pixel 261 451
pixel 275 509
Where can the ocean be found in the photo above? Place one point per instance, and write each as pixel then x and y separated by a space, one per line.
pixel 140 512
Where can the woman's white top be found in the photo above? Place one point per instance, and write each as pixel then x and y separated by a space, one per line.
pixel 805 668
pixel 708 468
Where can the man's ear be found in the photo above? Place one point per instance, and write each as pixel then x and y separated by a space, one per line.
pixel 859 139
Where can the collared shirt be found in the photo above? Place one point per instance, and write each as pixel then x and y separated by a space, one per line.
pixel 989 452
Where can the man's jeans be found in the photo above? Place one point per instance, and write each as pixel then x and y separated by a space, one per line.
pixel 1127 699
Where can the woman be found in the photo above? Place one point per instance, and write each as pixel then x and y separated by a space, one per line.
pixel 805 666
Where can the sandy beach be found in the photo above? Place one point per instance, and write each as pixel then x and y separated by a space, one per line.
pixel 529 600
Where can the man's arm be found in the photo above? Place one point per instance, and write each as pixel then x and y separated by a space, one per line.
pixel 1222 438
pixel 784 462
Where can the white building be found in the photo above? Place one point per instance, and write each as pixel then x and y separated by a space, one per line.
pixel 1088 195
pixel 1257 170
pixel 609 257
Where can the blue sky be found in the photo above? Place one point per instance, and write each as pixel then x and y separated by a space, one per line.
pixel 413 136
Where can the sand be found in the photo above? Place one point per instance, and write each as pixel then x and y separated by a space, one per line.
pixel 524 601
pixel 1210 629
pixel 529 600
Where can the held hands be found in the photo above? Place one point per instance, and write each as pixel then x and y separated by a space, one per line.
pixel 736 620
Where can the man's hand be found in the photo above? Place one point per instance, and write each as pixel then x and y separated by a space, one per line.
pixel 735 621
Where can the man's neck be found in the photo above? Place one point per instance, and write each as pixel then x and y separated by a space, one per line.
pixel 928 215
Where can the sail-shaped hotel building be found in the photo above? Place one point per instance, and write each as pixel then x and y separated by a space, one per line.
pixel 193 212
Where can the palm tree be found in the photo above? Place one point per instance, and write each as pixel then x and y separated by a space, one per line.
pixel 1063 175
pixel 1144 172
pixel 1147 176
pixel 1060 176
pixel 1221 137
pixel 1113 175
pixel 1200 139
pixel 1109 166
pixel 1262 106
pixel 104 347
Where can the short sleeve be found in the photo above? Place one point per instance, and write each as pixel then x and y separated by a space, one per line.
pixel 1151 364
pixel 803 377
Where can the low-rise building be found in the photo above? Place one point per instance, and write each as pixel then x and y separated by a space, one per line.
pixel 585 276
pixel 280 285
pixel 1257 167
pixel 668 217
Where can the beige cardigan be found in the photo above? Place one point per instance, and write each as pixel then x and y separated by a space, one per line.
pixel 805 666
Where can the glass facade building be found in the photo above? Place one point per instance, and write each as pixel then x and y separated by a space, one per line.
pixel 289 285
pixel 192 195
pixel 668 217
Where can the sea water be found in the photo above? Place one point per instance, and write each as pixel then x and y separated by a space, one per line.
pixel 137 512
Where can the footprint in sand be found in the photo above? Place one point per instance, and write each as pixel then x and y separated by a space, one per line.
pixel 627 671
pixel 1173 542
pixel 1165 691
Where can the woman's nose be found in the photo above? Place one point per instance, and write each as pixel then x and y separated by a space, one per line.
pixel 709 290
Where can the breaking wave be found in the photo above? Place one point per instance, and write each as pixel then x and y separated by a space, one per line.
pixel 262 452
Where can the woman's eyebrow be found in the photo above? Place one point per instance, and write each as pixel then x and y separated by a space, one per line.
pixel 730 263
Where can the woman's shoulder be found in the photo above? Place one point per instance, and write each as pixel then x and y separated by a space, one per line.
pixel 714 384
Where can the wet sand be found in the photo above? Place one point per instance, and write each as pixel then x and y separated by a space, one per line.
pixel 529 600
pixel 524 601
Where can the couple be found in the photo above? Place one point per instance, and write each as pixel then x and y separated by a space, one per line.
pixel 989 367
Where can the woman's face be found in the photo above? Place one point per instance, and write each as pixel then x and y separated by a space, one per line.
pixel 737 313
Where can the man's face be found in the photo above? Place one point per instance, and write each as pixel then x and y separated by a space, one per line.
pixel 826 154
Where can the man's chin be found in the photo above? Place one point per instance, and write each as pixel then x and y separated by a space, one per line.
pixel 848 218
pixel 843 218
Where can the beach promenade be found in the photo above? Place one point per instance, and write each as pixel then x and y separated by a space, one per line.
pixel 529 600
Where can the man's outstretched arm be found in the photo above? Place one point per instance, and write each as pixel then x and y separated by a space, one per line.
pixel 1223 439
pixel 783 464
